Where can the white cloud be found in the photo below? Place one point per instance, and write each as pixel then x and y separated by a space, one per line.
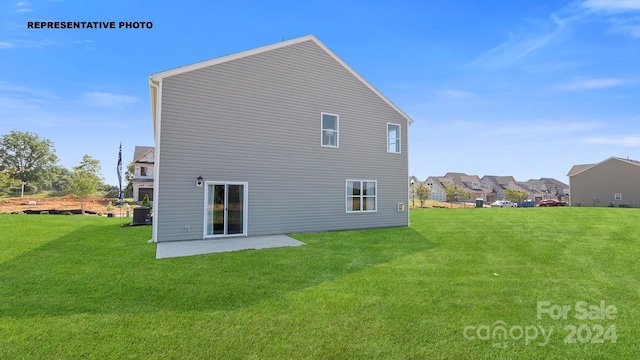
pixel 22 7
pixel 628 141
pixel 103 99
pixel 27 43
pixel 25 92
pixel 457 94
pixel 611 6
pixel 583 84
pixel 521 45
pixel 539 128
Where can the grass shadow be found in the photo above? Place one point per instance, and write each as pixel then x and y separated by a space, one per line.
pixel 101 269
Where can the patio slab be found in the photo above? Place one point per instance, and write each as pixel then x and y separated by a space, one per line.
pixel 198 247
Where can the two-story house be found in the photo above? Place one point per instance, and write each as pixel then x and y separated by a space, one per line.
pixel 612 182
pixel 498 184
pixel 470 183
pixel 280 139
pixel 143 162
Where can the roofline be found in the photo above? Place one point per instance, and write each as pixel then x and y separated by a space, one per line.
pixel 144 153
pixel 628 161
pixel 155 80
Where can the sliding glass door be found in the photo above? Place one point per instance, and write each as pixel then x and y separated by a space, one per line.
pixel 225 209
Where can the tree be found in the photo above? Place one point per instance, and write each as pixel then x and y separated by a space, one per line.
pixel 56 178
pixel 128 177
pixel 422 191
pixel 515 195
pixel 26 157
pixel 7 184
pixel 465 194
pixel 85 179
pixel 452 191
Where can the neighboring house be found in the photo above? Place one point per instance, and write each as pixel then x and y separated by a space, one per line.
pixel 437 186
pixel 285 138
pixel 556 186
pixel 546 188
pixel 498 184
pixel 471 183
pixel 143 161
pixel 611 182
pixel 538 190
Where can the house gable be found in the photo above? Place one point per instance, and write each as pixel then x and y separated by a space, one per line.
pixel 155 80
pixel 611 182
pixel 255 119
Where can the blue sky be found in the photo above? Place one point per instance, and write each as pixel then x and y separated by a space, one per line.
pixel 522 88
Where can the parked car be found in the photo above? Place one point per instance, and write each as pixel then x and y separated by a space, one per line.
pixel 552 202
pixel 503 203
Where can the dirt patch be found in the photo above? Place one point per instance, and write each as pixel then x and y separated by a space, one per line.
pixel 62 204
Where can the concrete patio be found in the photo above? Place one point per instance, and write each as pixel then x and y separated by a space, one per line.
pixel 199 247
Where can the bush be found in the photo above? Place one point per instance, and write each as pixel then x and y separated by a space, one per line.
pixel 99 213
pixel 145 202
pixel 45 212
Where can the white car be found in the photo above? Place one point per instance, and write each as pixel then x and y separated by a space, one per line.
pixel 503 203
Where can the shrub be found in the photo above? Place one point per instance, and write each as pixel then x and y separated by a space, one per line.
pixel 45 212
pixel 145 202
pixel 99 213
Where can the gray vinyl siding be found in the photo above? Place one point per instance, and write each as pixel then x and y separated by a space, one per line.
pixel 603 181
pixel 257 120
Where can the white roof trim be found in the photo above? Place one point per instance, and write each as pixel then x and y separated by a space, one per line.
pixel 156 78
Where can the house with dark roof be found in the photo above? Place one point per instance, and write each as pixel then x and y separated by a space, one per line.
pixel 285 138
pixel 611 182
pixel 143 161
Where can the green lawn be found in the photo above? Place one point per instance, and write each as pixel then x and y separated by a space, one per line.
pixel 84 287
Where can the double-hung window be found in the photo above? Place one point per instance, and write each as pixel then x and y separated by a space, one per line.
pixel 329 130
pixel 362 195
pixel 393 138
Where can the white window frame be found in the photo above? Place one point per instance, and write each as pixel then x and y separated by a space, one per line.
pixel 322 130
pixel 617 196
pixel 245 208
pixel 398 138
pixel 349 196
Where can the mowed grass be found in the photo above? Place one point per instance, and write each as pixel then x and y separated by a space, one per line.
pixel 84 287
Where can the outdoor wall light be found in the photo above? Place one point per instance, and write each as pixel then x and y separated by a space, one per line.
pixel 199 181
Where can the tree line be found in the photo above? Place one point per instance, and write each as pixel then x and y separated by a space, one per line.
pixel 29 165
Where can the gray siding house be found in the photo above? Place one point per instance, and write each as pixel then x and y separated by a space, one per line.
pixel 611 182
pixel 281 139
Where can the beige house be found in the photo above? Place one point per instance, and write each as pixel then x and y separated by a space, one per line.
pixel 471 183
pixel 497 184
pixel 143 161
pixel 612 182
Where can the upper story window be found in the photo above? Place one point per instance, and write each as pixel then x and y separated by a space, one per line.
pixel 393 138
pixel 143 171
pixel 329 131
